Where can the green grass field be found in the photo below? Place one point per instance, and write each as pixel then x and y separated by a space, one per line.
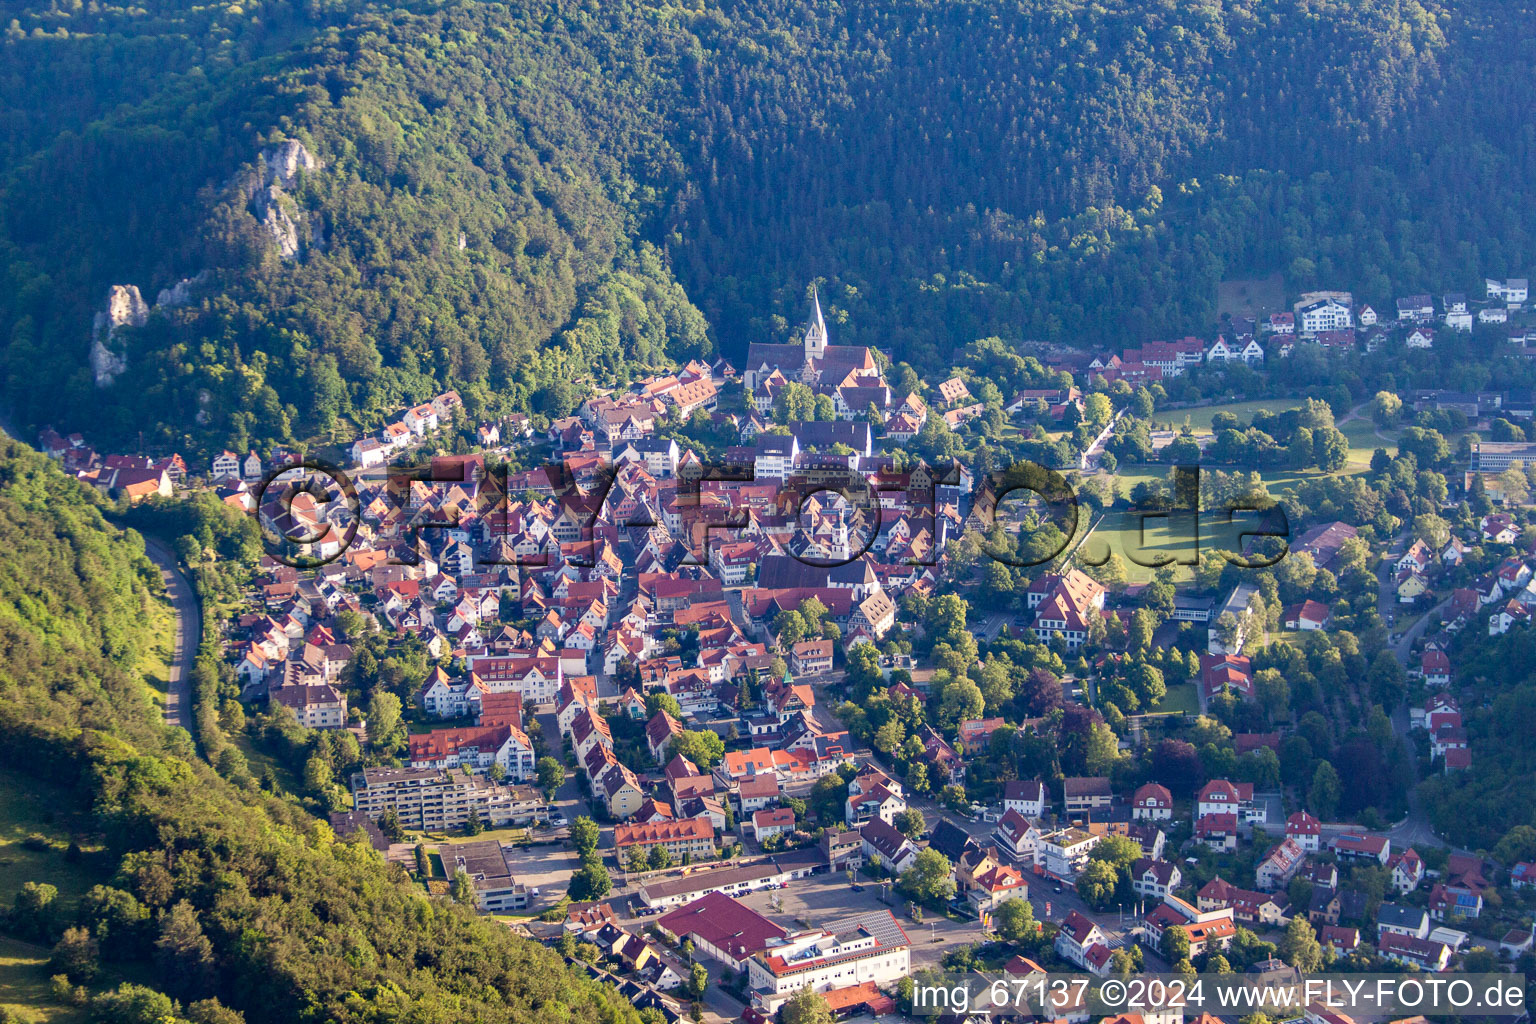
pixel 155 663
pixel 435 864
pixel 1181 697
pixel 501 835
pixel 24 988
pixel 1199 419
pixel 1149 539
pixel 1364 439
pixel 1121 533
pixel 28 808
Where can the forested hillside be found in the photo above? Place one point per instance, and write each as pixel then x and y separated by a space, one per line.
pixel 509 198
pixel 223 898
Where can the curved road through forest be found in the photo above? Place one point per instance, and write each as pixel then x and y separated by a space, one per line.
pixel 189 621
pixel 189 628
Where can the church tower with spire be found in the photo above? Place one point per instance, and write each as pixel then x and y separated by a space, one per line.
pixel 816 330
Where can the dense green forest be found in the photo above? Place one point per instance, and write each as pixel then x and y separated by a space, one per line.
pixel 1483 804
pixel 224 900
pixel 512 198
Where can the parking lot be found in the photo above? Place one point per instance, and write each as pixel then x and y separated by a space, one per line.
pixel 546 868
pixel 822 899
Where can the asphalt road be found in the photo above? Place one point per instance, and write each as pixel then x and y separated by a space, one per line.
pixel 1416 827
pixel 189 627
pixel 568 797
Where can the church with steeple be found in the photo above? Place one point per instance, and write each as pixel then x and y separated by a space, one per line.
pixel 848 374
pixel 816 329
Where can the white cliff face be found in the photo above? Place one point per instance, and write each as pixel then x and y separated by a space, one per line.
pixel 125 308
pixel 268 207
pixel 180 293
pixel 280 165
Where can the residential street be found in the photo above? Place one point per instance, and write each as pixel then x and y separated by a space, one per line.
pixel 1042 892
pixel 568 799
pixel 1415 828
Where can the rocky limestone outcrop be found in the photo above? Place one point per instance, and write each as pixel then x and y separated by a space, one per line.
pixel 266 191
pixel 180 293
pixel 281 163
pixel 267 205
pixel 270 203
pixel 125 308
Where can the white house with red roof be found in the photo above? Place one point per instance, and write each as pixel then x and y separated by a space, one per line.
pixel 772 821
pixel 1067 607
pixel 1017 837
pixel 1435 667
pixel 1155 878
pixel 1426 954
pixel 867 949
pixel 1499 527
pixel 1246 905
pixel 1438 709
pixel 1152 802
pixel 996 885
pixel 1206 929
pixel 1513 574
pixel 660 731
pixel 1304 830
pixel 1280 865
pixel 1510 614
pixel 885 846
pixel 1407 870
pixel 1226 671
pixel 1080 941
pixel 1308 615
pixel 1217 831
pixel 1360 846
pixel 1418 556
pixel 873 795
pixel 225 464
pixel 1220 796
pixel 1342 940
pixel 476 748
pixel 1447 901
pixel 721 928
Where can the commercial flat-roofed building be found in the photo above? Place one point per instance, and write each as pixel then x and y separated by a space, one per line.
pixel 674 892
pixel 1497 456
pixel 496 891
pixel 1065 852
pixel 433 800
pixel 868 948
